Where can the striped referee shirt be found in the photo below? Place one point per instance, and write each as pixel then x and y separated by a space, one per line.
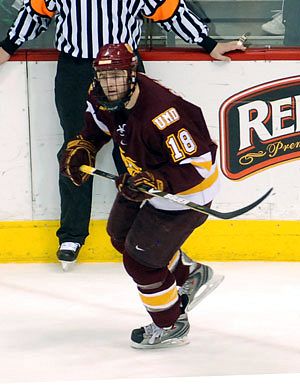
pixel 83 26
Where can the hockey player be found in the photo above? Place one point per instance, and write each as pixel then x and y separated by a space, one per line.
pixel 82 27
pixel 165 144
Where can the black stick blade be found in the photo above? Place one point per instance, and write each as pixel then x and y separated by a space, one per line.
pixel 243 210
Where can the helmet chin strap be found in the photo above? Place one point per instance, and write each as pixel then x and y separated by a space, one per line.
pixel 112 106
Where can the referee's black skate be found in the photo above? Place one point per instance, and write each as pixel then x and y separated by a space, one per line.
pixel 67 254
pixel 200 283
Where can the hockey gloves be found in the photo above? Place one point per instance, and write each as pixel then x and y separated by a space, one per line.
pixel 77 153
pixel 129 185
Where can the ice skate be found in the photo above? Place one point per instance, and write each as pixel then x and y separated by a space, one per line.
pixel 154 337
pixel 275 26
pixel 200 283
pixel 66 265
pixel 67 254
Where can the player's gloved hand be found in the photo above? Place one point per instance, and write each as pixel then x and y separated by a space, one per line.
pixel 128 185
pixel 78 152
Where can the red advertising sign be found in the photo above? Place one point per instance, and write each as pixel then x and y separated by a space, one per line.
pixel 260 127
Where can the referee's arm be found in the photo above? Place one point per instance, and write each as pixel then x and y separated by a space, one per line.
pixel 33 18
pixel 176 16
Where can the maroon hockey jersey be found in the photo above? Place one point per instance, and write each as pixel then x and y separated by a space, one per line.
pixel 163 133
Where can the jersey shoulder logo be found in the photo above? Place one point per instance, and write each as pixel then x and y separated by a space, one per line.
pixel 166 118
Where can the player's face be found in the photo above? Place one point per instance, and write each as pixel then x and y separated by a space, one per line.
pixel 114 83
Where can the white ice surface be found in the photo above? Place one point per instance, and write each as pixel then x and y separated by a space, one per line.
pixel 74 327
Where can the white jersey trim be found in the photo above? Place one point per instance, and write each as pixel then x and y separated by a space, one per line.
pixel 103 127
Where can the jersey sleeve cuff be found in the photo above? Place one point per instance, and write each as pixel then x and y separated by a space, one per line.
pixel 9 46
pixel 208 44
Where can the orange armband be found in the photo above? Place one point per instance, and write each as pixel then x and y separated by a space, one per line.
pixel 165 11
pixel 40 8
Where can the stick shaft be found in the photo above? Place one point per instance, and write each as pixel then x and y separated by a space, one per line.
pixel 180 200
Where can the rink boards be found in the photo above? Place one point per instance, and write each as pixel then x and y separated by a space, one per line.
pixel 234 97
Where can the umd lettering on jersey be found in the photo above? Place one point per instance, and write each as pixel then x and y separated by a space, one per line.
pixel 166 118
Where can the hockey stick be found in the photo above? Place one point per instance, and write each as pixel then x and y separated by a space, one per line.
pixel 177 199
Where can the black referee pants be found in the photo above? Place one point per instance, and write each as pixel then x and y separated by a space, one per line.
pixel 72 81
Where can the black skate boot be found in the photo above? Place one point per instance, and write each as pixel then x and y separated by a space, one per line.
pixel 67 254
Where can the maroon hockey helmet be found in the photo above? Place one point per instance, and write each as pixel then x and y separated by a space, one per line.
pixel 115 56
pixel 111 59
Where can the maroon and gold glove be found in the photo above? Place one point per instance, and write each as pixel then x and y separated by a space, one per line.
pixel 129 185
pixel 78 152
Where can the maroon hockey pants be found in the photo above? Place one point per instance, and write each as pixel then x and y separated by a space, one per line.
pixel 148 239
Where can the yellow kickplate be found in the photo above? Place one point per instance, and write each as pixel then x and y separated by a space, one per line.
pixel 236 240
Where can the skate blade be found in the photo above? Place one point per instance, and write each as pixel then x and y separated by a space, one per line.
pixel 163 345
pixel 66 265
pixel 205 290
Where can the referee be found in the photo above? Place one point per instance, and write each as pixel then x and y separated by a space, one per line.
pixel 82 28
